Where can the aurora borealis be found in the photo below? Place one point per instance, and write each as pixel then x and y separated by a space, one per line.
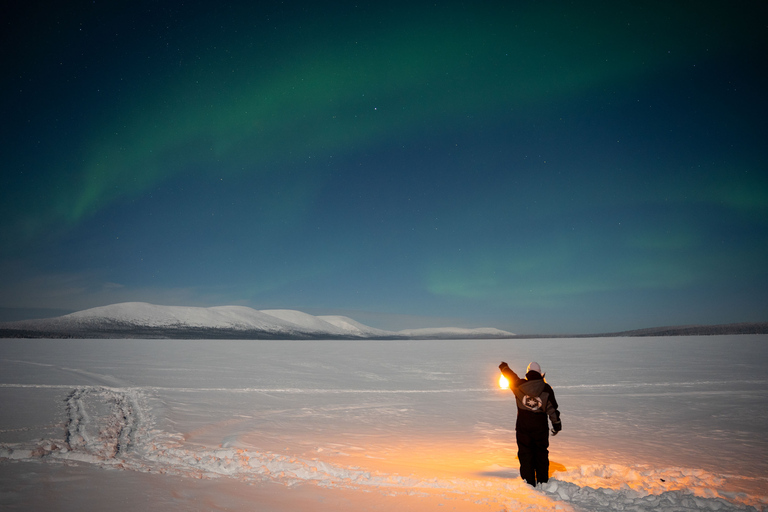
pixel 536 167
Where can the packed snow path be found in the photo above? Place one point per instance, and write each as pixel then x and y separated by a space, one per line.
pixel 334 436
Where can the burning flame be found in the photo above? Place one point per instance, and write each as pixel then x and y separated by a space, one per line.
pixel 503 382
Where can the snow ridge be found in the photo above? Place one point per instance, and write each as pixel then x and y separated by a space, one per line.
pixel 114 436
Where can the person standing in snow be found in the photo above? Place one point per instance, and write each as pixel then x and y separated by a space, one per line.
pixel 535 403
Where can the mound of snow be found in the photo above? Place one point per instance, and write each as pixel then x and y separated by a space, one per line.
pixel 612 487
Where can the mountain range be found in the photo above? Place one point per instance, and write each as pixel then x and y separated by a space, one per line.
pixel 143 320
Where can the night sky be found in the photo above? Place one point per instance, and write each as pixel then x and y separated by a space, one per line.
pixel 539 167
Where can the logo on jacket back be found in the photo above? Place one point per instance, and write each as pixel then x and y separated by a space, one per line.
pixel 532 402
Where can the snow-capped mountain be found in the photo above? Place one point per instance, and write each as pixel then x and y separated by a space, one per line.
pixel 142 320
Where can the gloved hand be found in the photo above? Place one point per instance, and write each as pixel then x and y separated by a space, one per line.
pixel 556 427
pixel 503 365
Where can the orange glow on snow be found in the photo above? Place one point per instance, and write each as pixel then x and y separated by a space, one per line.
pixel 503 382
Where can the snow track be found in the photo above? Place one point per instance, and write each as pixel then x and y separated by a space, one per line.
pixel 114 428
pixel 101 426
pixel 115 422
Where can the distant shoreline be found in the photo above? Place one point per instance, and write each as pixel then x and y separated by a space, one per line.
pixel 224 334
pixel 142 320
pixel 682 330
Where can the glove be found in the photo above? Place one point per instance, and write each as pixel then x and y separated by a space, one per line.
pixel 556 427
pixel 503 365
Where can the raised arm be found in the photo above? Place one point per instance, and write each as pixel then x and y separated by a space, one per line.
pixel 511 376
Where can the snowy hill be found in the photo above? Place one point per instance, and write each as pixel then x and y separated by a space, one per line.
pixel 142 320
pixel 353 326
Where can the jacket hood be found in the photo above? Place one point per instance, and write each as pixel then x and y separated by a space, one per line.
pixel 533 386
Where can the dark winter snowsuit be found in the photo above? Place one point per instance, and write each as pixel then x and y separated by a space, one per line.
pixel 535 402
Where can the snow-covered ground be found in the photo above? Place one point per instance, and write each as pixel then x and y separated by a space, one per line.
pixel 675 423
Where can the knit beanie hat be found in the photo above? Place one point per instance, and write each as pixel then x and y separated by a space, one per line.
pixel 534 366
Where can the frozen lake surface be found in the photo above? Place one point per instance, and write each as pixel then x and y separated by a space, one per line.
pixel 675 423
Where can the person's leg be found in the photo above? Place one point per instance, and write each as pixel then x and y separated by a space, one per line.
pixel 526 456
pixel 541 456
